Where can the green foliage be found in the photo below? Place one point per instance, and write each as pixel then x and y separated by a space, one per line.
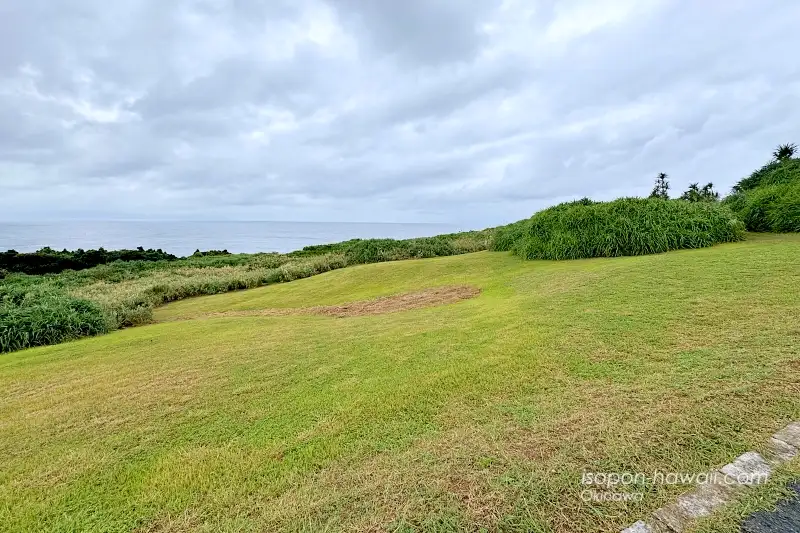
pixel 506 236
pixel 362 251
pixel 773 173
pixel 28 319
pixel 48 261
pixel 769 199
pixel 697 194
pixel 661 188
pixel 310 267
pixel 784 151
pixel 378 250
pixel 773 208
pixel 628 226
pixel 198 253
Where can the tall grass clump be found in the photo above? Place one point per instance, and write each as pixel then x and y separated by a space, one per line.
pixel 506 236
pixel 769 199
pixel 774 208
pixel 628 226
pixel 47 318
pixel 130 301
pixel 362 251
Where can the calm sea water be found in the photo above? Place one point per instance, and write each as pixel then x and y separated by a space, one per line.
pixel 183 238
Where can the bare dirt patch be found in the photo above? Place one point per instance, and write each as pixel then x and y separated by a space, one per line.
pixel 378 306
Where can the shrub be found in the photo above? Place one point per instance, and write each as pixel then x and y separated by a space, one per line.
pixel 628 226
pixel 466 245
pixel 769 199
pixel 311 267
pixel 47 319
pixel 695 193
pixel 360 251
pixel 210 253
pixel 773 208
pixel 505 237
pixel 49 261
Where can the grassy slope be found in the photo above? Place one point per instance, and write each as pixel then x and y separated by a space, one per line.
pixel 483 412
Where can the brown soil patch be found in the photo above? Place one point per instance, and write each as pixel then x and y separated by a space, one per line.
pixel 378 306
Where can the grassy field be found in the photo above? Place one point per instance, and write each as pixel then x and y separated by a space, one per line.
pixel 478 414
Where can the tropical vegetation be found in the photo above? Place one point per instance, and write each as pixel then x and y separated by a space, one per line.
pixel 628 226
pixel 769 198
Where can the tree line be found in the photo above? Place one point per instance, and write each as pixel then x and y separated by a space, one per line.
pixel 49 261
pixel 706 193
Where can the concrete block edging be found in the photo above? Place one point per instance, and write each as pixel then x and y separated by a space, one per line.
pixel 677 517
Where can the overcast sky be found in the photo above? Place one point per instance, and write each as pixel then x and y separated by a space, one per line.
pixel 470 112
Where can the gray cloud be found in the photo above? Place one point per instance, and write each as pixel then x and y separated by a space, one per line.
pixel 470 112
pixel 417 31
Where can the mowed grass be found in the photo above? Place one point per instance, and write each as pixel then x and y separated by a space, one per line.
pixel 478 414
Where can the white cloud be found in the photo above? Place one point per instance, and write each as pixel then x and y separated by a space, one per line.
pixel 462 111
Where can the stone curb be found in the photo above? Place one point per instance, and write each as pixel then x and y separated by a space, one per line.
pixel 751 468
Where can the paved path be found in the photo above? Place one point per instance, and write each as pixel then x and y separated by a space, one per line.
pixel 784 519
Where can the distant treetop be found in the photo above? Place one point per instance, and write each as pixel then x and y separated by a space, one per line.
pixel 784 151
pixel 661 188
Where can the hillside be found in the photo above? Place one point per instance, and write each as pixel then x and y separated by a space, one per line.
pixel 769 199
pixel 482 412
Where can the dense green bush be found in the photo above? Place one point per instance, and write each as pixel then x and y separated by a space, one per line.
pixel 49 261
pixel 360 251
pixel 43 319
pixel 769 199
pixel 773 208
pixel 628 226
pixel 506 237
pixel 208 253
pixel 377 250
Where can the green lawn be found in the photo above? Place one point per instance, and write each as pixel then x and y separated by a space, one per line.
pixel 482 413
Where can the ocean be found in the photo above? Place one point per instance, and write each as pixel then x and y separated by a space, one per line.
pixel 183 238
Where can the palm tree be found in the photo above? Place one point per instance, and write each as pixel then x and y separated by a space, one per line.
pixel 692 194
pixel 708 192
pixel 784 151
pixel 696 194
pixel 661 187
